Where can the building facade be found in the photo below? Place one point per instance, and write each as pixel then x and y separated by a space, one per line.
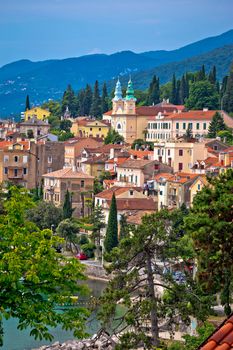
pixel 36 112
pixel 87 127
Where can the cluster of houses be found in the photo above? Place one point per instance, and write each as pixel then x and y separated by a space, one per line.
pixel 143 181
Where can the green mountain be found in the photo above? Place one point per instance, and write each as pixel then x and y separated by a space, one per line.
pixel 48 79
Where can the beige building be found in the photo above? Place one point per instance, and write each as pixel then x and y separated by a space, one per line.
pixel 34 128
pixel 87 127
pixel 80 186
pixel 197 186
pixel 171 126
pixel 131 121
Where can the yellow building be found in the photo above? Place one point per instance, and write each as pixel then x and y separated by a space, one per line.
pixel 86 127
pixel 197 186
pixel 36 112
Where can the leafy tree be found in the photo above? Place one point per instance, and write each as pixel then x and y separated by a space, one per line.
pixel 113 137
pixel 65 125
pixel 226 136
pixel 143 285
pixel 63 136
pixel 54 108
pixel 34 278
pixel 44 215
pixel 27 104
pixel 200 75
pixel 209 224
pixel 217 124
pixel 96 102
pixel 124 226
pixel 104 99
pixel 67 206
pixel 202 94
pixel 142 144
pixel 98 186
pixel 98 223
pixel 111 238
pixel 69 229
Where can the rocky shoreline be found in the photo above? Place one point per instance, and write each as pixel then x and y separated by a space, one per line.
pixel 97 342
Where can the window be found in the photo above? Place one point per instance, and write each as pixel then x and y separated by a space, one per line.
pixel 190 125
pixel 156 167
pixel 25 159
pixel 136 178
pixel 184 126
pixel 131 192
pixel 198 187
pixel 82 183
pixel 6 159
pixel 16 159
pixel 99 129
pixel 15 172
pixel 204 126
pixel 49 170
pixel 50 159
pixel 118 126
pixel 158 152
pixel 198 126
pixel 25 171
pixel 90 129
pixel 177 126
pixel 168 152
pixel 5 171
pixel 161 193
pixel 180 152
pixel 180 166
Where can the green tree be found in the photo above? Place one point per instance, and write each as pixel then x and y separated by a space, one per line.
pixel 80 103
pixel 104 99
pixel 124 226
pixel 87 101
pixel 96 102
pixel 202 94
pixel 44 215
pixel 69 229
pixel 54 108
pixel 200 75
pixel 66 125
pixel 69 100
pixel 113 137
pixel 188 134
pixel 143 285
pixel 97 221
pixel 226 136
pixel 153 92
pixel 65 135
pixel 173 90
pixel 111 238
pixel 228 96
pixel 209 224
pixel 67 206
pixel 35 277
pixel 217 124
pixel 27 103
pixel 212 76
pixel 98 186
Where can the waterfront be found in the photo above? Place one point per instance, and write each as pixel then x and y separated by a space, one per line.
pixel 21 340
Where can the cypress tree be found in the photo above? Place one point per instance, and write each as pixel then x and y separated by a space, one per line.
pixel 27 104
pixel 96 102
pixel 153 92
pixel 87 100
pixel 217 124
pixel 104 99
pixel 201 74
pixel 182 90
pixel 227 98
pixel 69 99
pixel 212 76
pixel 67 206
pixel 111 238
pixel 80 98
pixel 178 102
pixel 173 92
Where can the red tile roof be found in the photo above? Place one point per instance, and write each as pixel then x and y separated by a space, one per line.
pixel 141 154
pixel 137 163
pixel 222 338
pixel 191 115
pixel 68 173
pixel 134 204
pixel 107 194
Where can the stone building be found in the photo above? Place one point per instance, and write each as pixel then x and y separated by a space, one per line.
pixel 34 128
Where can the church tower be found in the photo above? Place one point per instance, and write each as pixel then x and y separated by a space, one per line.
pixel 130 100
pixel 117 101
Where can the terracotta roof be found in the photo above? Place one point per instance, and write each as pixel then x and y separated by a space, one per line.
pixel 135 217
pixel 87 121
pixel 108 113
pixel 159 176
pixel 191 115
pixel 154 110
pixel 107 194
pixel 182 177
pixel 134 204
pixel 141 154
pixel 68 173
pixel 4 144
pixel 222 338
pixel 101 159
pixel 136 163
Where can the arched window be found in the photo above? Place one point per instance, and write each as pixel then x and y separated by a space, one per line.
pixel 119 126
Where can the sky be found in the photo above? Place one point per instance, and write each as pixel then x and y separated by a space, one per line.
pixel 46 29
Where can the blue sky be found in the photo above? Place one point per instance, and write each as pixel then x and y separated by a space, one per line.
pixel 43 29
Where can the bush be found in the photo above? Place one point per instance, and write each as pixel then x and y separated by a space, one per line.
pixel 83 239
pixel 88 249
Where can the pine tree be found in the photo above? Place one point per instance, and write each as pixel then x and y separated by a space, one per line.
pixel 217 124
pixel 96 102
pixel 182 90
pixel 27 104
pixel 124 226
pixel 111 239
pixel 173 92
pixel 212 76
pixel 80 103
pixel 178 83
pixel 87 100
pixel 201 74
pixel 67 206
pixel 104 99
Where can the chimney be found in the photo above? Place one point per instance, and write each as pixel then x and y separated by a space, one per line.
pixel 111 153
pixel 205 109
